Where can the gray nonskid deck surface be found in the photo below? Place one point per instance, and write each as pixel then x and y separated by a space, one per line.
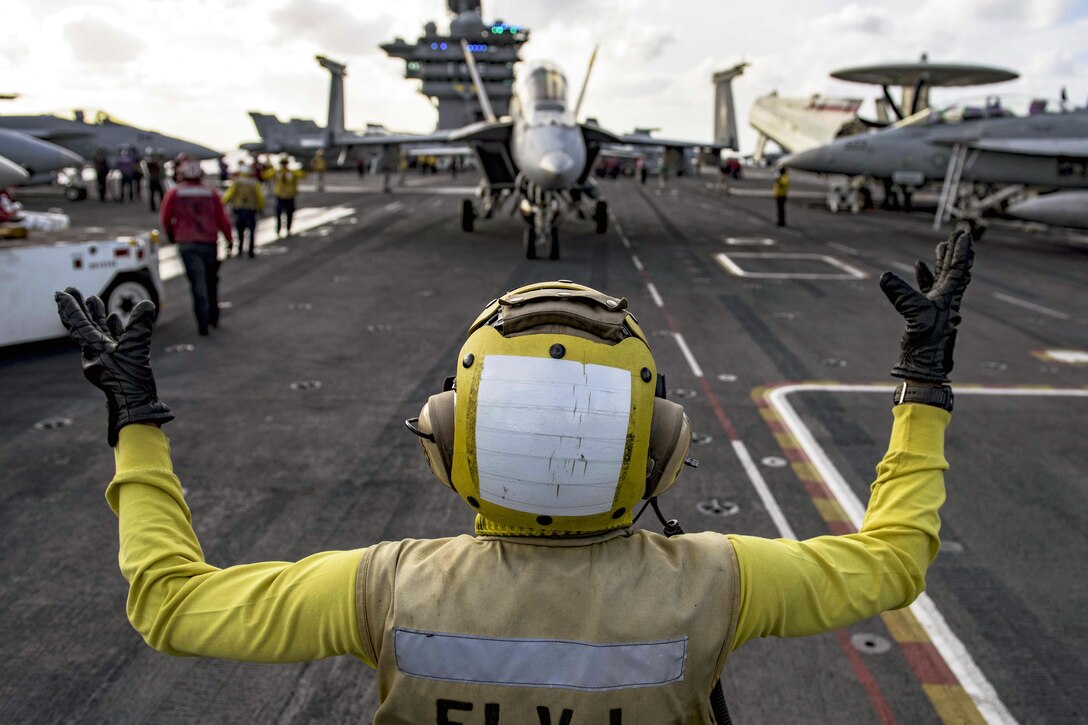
pixel 375 310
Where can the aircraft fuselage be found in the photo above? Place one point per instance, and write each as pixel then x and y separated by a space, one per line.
pixel 913 155
pixel 546 144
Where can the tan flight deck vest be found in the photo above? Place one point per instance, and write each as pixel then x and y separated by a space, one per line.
pixel 618 629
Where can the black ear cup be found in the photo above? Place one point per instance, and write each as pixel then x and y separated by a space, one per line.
pixel 670 439
pixel 436 422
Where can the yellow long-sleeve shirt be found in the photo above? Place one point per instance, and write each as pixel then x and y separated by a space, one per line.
pixel 324 604
pixel 244 193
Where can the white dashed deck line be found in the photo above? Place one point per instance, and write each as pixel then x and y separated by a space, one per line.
pixel 654 293
pixel 951 648
pixel 763 490
pixel 1031 306
pixel 692 363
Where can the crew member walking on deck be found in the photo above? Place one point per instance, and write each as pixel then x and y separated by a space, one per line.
pixel 192 217
pixel 126 164
pixel 285 189
pixel 319 166
pixel 246 199
pixel 152 165
pixel 101 172
pixel 781 192
pixel 554 430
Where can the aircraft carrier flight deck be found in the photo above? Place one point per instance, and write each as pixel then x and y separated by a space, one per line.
pixel 290 439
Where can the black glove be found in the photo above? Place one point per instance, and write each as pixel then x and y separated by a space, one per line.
pixel 116 359
pixel 933 312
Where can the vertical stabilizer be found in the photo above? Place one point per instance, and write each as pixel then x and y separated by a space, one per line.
pixel 725 112
pixel 335 125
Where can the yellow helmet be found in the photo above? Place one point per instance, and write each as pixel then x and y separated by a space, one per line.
pixel 555 423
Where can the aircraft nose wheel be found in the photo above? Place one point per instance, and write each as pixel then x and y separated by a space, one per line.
pixel 468 215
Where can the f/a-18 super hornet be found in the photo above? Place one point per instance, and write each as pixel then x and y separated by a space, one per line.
pixel 84 136
pixel 540 156
pixel 985 154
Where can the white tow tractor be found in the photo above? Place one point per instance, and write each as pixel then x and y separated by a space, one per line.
pixel 122 271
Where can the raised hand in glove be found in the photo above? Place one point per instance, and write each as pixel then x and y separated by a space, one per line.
pixel 116 358
pixel 933 311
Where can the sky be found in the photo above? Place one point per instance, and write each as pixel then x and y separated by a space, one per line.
pixel 193 68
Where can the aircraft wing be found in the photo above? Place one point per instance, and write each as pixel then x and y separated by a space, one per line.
pixel 484 131
pixel 393 139
pixel 643 140
pixel 1066 147
pixel 458 137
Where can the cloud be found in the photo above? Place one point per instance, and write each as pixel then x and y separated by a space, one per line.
pixel 98 42
pixel 330 27
pixel 854 18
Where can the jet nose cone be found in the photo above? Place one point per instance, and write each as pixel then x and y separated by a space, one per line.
pixel 556 163
pixel 811 160
pixel 11 173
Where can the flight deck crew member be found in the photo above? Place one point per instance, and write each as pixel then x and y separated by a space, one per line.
pixel 192 216
pixel 101 172
pixel 781 192
pixel 153 169
pixel 553 430
pixel 319 166
pixel 285 189
pixel 246 199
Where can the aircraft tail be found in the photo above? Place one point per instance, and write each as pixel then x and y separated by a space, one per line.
pixel 335 125
pixel 725 110
pixel 268 128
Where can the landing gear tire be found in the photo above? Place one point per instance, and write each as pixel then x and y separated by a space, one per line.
pixel 600 216
pixel 530 243
pixel 75 193
pixel 125 292
pixel 468 215
pixel 553 247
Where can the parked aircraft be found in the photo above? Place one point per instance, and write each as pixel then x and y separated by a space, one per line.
pixel 84 137
pixel 985 153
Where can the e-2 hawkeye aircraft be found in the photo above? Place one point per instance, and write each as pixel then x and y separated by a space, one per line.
pixel 985 154
pixel 541 155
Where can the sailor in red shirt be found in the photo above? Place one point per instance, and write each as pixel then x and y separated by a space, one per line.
pixel 192 216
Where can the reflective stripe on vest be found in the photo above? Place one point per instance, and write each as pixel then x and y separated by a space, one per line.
pixel 539 662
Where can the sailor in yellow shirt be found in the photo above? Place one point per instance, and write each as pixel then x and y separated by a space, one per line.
pixel 781 192
pixel 246 199
pixel 319 166
pixel 285 189
pixel 553 431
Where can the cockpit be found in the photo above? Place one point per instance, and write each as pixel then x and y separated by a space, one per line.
pixel 986 107
pixel 90 116
pixel 544 88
